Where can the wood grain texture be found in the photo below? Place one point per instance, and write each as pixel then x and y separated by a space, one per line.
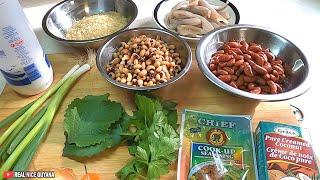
pixel 193 91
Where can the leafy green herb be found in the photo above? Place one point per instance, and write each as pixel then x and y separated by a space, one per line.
pixel 91 125
pixel 157 144
pixel 94 123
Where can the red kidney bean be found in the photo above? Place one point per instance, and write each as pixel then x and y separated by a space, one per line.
pixel 237 51
pixel 222 72
pixel 256 90
pixel 247 70
pixel 278 69
pixel 273 78
pixel 261 81
pixel 234 44
pixel 266 76
pixel 270 56
pixel 245 46
pixel 247 57
pixel 233 84
pixel 224 57
pixel 255 48
pixel 212 67
pixel 248 79
pixel 231 62
pixel 248 67
pixel 229 70
pixel 238 57
pixel 225 78
pixel 220 52
pixel 259 69
pixel 268 67
pixel 264 57
pixel 273 87
pixel 239 62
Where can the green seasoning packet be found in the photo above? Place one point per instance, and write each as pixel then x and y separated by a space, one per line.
pixel 285 152
pixel 216 147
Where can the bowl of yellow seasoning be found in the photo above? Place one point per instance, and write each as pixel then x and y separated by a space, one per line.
pixel 88 23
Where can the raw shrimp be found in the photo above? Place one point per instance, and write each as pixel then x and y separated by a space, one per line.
pixel 191 21
pixel 181 5
pixel 183 14
pixel 193 2
pixel 203 11
pixel 196 17
pixel 214 14
pixel 187 30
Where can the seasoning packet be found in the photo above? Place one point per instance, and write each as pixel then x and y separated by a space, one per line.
pixel 216 147
pixel 285 152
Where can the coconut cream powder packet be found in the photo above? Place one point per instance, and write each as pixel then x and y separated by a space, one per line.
pixel 216 147
pixel 285 152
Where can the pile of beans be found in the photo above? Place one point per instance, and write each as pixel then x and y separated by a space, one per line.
pixel 144 61
pixel 249 67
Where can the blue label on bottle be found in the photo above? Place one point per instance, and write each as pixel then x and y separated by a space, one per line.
pixel 47 60
pixel 20 79
pixel 2 54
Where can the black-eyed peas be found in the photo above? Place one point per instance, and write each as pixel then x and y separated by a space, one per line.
pixel 144 61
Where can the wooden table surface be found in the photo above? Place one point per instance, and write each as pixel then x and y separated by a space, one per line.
pixel 193 91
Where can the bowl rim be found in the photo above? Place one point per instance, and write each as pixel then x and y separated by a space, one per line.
pixel 156 20
pixel 48 32
pixel 144 88
pixel 299 90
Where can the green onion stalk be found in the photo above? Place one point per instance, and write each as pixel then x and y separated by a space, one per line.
pixel 14 129
pixel 59 91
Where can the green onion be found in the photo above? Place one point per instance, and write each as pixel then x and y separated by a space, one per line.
pixel 46 118
pixel 25 159
pixel 20 122
pixel 14 116
pixel 25 130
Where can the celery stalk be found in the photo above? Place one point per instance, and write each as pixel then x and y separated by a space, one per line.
pixel 20 122
pixel 45 120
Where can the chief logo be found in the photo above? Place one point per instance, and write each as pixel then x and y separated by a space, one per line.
pixel 217 137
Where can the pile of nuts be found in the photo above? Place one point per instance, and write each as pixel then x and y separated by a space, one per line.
pixel 249 67
pixel 144 61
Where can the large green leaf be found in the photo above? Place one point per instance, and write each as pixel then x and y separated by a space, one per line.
pixel 88 120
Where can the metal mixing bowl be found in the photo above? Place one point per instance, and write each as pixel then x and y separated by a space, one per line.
pixel 104 55
pixel 296 64
pixel 164 7
pixel 60 18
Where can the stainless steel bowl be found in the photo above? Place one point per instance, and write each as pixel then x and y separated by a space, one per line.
pixel 60 18
pixel 104 55
pixel 296 64
pixel 165 6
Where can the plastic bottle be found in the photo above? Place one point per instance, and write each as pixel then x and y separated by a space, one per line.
pixel 22 60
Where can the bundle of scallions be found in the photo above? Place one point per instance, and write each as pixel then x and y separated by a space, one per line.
pixel 29 125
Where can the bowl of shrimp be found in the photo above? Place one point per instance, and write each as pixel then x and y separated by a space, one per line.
pixel 191 19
